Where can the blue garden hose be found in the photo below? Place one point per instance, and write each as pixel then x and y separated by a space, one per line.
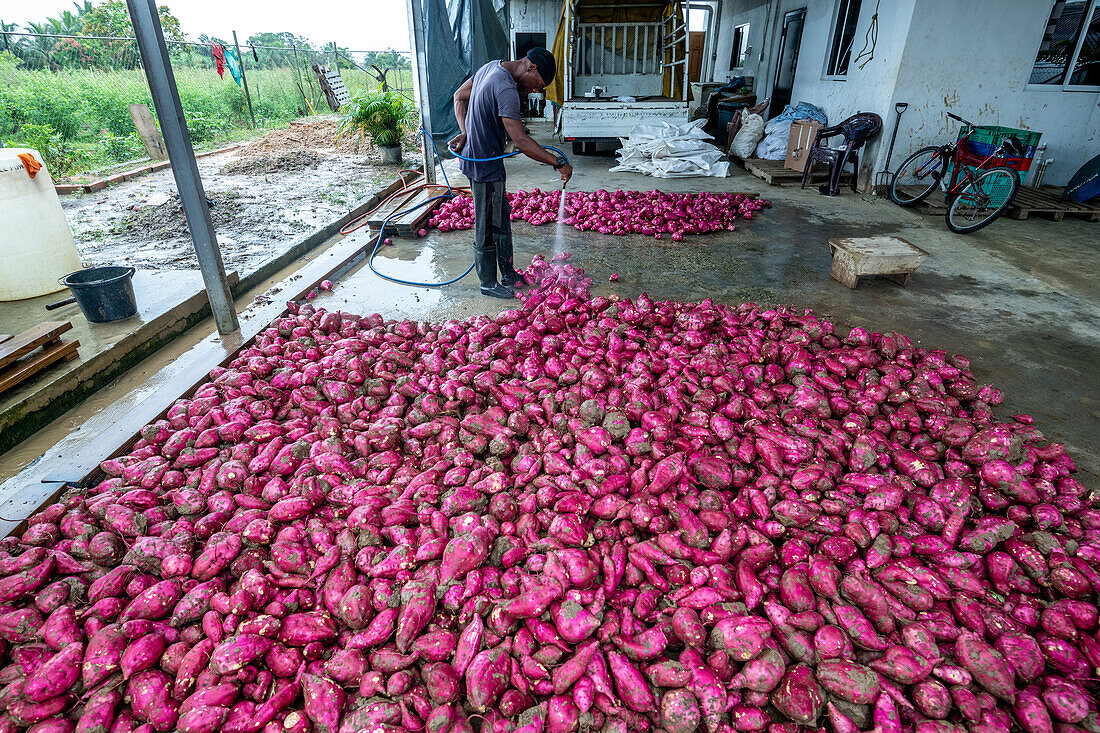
pixel 450 194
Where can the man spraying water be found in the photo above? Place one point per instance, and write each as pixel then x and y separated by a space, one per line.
pixel 487 106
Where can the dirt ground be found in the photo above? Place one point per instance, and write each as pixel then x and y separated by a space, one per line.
pixel 266 194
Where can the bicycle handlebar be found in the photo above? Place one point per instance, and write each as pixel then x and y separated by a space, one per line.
pixel 960 119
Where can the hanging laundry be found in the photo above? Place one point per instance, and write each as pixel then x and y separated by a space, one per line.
pixel 233 63
pixel 219 59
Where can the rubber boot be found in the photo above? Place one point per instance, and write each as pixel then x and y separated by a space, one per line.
pixel 486 266
pixel 508 274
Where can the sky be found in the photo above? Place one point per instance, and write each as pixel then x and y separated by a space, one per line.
pixel 358 25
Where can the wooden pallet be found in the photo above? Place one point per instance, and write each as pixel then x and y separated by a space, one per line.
pixel 32 351
pixel 775 173
pixel 409 223
pixel 1030 201
pixel 935 204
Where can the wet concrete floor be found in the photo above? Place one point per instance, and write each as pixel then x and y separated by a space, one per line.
pixel 1017 297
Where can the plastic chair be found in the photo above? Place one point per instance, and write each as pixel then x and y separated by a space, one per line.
pixel 857 130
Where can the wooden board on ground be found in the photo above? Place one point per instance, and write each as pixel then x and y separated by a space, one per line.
pixel 147 129
pixel 4 337
pixel 388 209
pixel 776 173
pixel 1047 202
pixel 22 369
pixel 31 339
pixel 935 204
pixel 21 357
pixel 409 223
pixel 893 257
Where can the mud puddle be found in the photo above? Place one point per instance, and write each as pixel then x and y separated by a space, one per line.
pixel 266 195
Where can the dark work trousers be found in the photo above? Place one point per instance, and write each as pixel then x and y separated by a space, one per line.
pixel 492 231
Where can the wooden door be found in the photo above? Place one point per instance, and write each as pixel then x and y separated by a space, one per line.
pixel 697 43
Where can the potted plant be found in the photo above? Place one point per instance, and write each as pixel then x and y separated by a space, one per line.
pixel 382 116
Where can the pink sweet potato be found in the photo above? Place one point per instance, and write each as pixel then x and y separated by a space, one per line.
pixel 150 699
pixel 630 683
pixel 103 656
pixel 238 651
pixel 799 696
pixel 987 665
pixel 55 676
pixel 99 711
pixel 849 681
pixel 324 703
pixel 487 678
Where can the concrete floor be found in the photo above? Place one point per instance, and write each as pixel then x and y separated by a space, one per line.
pixel 168 303
pixel 1017 297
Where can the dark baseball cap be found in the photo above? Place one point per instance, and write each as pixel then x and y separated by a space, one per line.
pixel 544 61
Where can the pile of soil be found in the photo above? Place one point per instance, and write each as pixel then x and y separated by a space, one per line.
pixel 284 162
pixel 316 133
pixel 166 221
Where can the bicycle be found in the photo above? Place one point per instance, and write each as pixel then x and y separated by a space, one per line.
pixel 976 195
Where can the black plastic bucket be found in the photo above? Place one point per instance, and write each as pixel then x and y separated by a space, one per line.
pixel 103 293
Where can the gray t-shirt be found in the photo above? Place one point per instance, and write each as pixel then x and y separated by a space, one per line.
pixel 494 96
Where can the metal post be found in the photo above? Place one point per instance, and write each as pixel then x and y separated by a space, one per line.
pixel 166 100
pixel 244 80
pixel 420 70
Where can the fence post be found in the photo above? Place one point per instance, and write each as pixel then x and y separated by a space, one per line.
pixel 244 79
pixel 185 169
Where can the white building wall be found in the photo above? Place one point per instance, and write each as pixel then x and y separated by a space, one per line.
pixel 535 16
pixel 971 57
pixel 988 47
pixel 733 13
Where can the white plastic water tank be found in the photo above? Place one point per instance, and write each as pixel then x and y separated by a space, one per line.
pixel 36 245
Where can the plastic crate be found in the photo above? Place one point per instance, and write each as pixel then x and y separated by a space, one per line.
pixel 987 138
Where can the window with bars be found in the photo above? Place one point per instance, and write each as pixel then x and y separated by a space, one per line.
pixel 1069 55
pixel 844 32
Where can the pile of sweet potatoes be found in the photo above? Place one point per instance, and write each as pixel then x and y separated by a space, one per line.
pixel 583 514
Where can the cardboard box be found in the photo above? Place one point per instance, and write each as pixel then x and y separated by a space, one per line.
pixel 799 142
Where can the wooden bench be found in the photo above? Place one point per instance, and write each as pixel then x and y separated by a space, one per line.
pixel 32 351
pixel 890 256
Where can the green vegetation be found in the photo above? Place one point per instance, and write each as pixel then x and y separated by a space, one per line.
pixel 68 96
pixel 381 115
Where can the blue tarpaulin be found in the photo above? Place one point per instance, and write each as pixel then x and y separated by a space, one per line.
pixel 460 37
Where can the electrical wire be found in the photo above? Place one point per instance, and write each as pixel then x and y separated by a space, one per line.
pixel 405 188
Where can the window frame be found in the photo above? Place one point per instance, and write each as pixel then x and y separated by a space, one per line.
pixel 740 51
pixel 836 34
pixel 1091 6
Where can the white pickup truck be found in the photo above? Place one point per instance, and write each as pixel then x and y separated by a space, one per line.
pixel 625 65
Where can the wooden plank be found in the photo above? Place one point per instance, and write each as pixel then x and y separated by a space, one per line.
pixel 408 223
pixel 1041 201
pixel 775 173
pixel 31 339
pixel 386 210
pixel 30 365
pixel 147 130
pixel 4 337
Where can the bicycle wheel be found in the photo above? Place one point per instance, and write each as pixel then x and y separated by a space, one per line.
pixel 917 176
pixel 983 199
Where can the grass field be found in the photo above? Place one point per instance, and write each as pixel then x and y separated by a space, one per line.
pixel 80 119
